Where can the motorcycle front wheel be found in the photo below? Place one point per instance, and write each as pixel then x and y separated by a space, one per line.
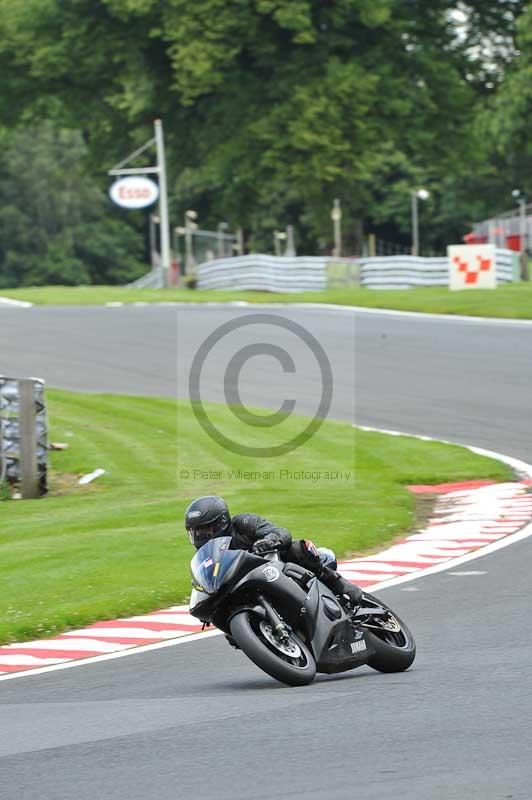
pixel 289 662
pixel 390 638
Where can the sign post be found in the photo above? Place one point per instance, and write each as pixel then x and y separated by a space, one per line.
pixel 138 191
pixel 163 201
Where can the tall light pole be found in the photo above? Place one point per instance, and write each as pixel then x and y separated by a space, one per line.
pixel 520 196
pixel 190 227
pixel 416 194
pixel 336 216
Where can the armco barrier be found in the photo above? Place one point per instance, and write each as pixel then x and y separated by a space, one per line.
pixel 264 273
pixel 282 274
pixel 152 280
pixel 404 272
pixel 23 434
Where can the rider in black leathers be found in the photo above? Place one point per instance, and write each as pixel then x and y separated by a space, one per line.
pixel 208 517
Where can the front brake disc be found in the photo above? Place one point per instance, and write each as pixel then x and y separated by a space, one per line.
pixel 288 648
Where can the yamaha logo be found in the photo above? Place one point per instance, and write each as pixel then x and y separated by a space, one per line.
pixel 271 573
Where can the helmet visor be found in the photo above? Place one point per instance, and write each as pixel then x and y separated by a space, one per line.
pixel 201 535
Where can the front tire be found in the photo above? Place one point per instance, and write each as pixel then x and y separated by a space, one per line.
pixel 293 665
pixel 395 650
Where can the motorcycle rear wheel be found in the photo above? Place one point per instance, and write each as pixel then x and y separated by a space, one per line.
pixel 297 669
pixel 395 650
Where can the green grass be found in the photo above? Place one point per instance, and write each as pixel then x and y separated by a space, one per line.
pixel 513 301
pixel 118 547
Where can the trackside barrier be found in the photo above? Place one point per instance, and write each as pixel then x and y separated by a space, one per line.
pixel 404 272
pixel 264 273
pixel 23 435
pixel 152 280
pixel 282 274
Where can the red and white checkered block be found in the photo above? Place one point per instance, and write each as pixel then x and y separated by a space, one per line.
pixel 472 266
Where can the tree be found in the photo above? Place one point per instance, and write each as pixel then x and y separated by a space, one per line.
pixel 507 118
pixel 56 224
pixel 274 107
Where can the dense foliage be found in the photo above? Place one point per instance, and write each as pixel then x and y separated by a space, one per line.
pixel 271 109
pixel 56 225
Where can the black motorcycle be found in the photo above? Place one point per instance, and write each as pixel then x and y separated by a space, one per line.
pixel 288 622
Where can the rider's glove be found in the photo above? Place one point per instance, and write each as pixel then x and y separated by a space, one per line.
pixel 267 544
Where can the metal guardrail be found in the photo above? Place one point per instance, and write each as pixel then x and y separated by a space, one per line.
pixel 405 272
pixel 23 435
pixel 306 273
pixel 264 273
pixel 152 280
pixel 284 274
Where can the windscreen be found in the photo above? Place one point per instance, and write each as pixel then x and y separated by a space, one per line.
pixel 211 563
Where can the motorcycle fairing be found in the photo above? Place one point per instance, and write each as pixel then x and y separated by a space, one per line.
pixel 289 596
pixel 211 563
pixel 216 568
pixel 336 644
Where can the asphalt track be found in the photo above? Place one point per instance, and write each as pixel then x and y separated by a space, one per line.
pixel 464 381
pixel 200 721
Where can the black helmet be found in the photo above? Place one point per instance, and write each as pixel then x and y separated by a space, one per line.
pixel 206 518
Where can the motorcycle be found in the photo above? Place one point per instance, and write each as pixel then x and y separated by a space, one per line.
pixel 288 622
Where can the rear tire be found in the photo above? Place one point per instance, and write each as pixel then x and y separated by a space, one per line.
pixel 395 651
pixel 294 671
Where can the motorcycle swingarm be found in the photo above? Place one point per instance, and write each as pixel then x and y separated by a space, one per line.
pixel 374 611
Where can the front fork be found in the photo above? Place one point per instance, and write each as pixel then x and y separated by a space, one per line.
pixel 279 627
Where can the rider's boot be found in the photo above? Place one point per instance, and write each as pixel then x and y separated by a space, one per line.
pixel 341 586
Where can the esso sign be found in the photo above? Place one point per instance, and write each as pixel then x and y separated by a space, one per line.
pixel 134 192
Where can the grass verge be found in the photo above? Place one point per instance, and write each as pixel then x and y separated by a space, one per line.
pixel 117 546
pixel 510 301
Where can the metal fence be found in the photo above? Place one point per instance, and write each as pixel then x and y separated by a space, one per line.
pixel 192 246
pixel 23 435
pixel 505 230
